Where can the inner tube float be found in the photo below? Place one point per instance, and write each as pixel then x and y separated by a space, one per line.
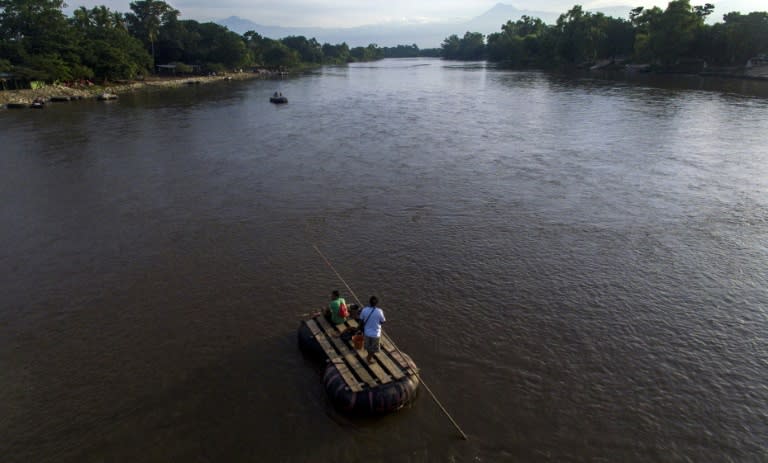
pixel 371 400
pixel 384 398
pixel 309 345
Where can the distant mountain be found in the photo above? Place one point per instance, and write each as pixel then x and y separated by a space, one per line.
pixel 491 20
pixel 424 35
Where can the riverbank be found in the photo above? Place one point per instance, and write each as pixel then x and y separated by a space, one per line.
pixel 27 96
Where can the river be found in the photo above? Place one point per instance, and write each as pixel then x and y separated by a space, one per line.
pixel 578 266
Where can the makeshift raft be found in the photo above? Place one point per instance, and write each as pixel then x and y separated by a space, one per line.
pixel 352 384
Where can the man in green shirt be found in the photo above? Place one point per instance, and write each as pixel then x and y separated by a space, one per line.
pixel 334 309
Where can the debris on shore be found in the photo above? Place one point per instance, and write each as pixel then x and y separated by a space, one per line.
pixel 60 92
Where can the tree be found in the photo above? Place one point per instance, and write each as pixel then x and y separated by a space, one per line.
pixel 618 39
pixel 472 46
pixel 745 35
pixel 336 54
pixel 309 50
pixel 666 36
pixel 33 21
pixel 450 47
pixel 277 55
pixel 524 26
pixel 469 47
pixel 107 50
pixel 370 53
pixel 401 51
pixel 254 44
pixel 506 48
pixel 579 35
pixel 34 36
pixel 519 43
pixel 147 18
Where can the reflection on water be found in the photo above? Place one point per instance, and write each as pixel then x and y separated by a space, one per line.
pixel 577 265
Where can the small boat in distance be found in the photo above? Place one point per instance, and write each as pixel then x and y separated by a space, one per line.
pixel 278 98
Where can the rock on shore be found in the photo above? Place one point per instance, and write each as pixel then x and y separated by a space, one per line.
pixel 49 91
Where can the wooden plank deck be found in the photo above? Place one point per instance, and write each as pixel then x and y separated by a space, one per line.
pixel 323 340
pixel 377 370
pixel 389 365
pixel 334 357
pixel 353 362
pixel 393 361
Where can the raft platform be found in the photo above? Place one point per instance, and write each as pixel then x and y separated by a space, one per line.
pixel 354 385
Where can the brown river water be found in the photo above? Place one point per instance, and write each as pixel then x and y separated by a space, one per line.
pixel 577 265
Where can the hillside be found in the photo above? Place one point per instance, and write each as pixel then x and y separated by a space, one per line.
pixel 423 35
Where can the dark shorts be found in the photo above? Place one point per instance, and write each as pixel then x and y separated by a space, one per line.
pixel 372 345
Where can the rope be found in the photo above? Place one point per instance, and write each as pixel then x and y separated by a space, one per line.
pixel 434 397
pixel 337 274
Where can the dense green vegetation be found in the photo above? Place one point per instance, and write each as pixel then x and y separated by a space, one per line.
pixel 39 42
pixel 667 38
pixel 410 51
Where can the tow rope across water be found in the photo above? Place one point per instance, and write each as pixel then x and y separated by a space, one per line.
pixel 456 425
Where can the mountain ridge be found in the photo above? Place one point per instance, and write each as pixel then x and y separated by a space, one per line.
pixel 428 35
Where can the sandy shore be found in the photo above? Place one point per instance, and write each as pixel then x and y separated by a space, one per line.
pixel 47 92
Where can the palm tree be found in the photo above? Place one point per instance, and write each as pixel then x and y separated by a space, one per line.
pixel 146 19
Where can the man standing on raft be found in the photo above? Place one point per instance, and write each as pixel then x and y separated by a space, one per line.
pixel 371 319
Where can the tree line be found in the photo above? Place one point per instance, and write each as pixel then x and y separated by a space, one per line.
pixel 39 42
pixel 664 38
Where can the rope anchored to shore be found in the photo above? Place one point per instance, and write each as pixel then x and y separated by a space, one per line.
pixel 456 425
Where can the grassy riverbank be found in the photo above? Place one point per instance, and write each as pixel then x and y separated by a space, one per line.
pixel 49 91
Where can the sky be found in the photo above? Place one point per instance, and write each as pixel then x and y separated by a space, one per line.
pixel 351 13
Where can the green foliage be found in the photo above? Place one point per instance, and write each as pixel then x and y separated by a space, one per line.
pixel 46 67
pixel 254 43
pixel 146 19
pixel 584 37
pixel 36 39
pixel 310 50
pixel 401 51
pixel 740 37
pixel 183 68
pixel 669 38
pixel 38 24
pixel 277 55
pixel 106 49
pixel 450 47
pixel 209 45
pixel 470 47
pixel 336 54
pixel 671 34
pixel 370 53
pixel 38 42
pixel 518 43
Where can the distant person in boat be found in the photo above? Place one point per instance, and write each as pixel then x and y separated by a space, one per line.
pixel 337 311
pixel 371 319
pixel 275 95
